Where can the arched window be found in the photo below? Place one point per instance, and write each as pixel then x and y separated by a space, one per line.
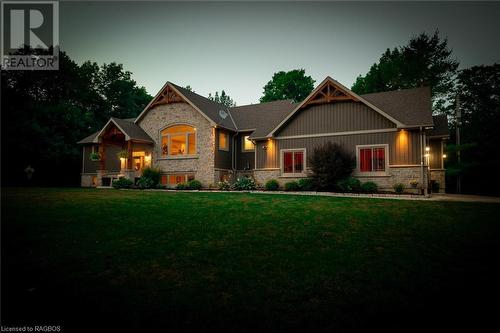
pixel 178 140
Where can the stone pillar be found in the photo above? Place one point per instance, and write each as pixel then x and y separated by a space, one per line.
pixel 100 174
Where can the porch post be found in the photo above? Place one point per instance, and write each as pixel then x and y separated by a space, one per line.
pixel 129 159
pixel 102 164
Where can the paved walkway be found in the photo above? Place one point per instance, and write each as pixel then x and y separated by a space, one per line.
pixel 463 198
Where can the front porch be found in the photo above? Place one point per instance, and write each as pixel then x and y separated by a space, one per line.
pixel 118 150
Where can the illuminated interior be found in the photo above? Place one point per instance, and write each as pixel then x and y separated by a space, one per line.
pixel 248 144
pixel 178 140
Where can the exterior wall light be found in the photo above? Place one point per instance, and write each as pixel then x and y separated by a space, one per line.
pixel 444 155
pixel 427 149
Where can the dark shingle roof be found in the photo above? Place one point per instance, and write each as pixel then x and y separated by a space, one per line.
pixel 208 107
pixel 89 139
pixel 440 126
pixel 412 107
pixel 261 117
pixel 133 131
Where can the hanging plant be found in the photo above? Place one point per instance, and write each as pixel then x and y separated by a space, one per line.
pixel 95 156
pixel 122 154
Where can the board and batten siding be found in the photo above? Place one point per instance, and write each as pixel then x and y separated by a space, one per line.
pixel 244 160
pixel 334 117
pixel 404 146
pixel 435 154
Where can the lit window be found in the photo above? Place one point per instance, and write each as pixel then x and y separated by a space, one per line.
pixel 172 180
pixel 178 140
pixel 223 141
pixel 247 144
pixel 293 162
pixel 372 159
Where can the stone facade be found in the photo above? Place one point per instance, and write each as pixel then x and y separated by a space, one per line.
pixel 88 180
pixel 394 175
pixel 439 177
pixel 404 175
pixel 202 164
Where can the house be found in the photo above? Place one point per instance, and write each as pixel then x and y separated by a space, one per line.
pixel 393 135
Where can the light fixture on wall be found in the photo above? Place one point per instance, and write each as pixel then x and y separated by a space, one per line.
pixel 427 149
pixel 264 147
pixel 444 155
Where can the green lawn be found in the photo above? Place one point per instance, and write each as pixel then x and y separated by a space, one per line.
pixel 236 261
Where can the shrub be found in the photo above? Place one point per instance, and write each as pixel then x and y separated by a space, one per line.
pixel 306 184
pixel 435 187
pixel 182 186
pixel 369 187
pixel 272 185
pixel 414 183
pixel 122 183
pixel 224 185
pixel 145 183
pixel 244 184
pixel 153 174
pixel 349 184
pixel 330 163
pixel 399 188
pixel 194 185
pixel 292 186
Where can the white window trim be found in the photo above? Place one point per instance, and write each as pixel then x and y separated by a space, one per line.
pixel 168 135
pixel 227 141
pixel 243 145
pixel 282 166
pixel 372 173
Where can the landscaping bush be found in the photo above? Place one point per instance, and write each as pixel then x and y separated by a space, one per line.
pixel 369 187
pixel 272 185
pixel 182 186
pixel 349 184
pixel 244 184
pixel 153 174
pixel 145 183
pixel 399 188
pixel 329 164
pixel 194 185
pixel 292 186
pixel 122 183
pixel 306 184
pixel 224 186
pixel 435 187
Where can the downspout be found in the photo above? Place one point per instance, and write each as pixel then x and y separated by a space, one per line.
pixel 422 162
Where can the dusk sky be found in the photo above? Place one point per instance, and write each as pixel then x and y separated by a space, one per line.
pixel 238 46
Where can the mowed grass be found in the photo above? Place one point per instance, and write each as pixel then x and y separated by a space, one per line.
pixel 244 262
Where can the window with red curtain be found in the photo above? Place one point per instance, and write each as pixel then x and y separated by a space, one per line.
pixel 288 162
pixel 378 159
pixel 293 162
pixel 365 163
pixel 298 163
pixel 372 159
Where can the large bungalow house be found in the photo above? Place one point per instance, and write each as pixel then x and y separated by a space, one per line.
pixel 393 135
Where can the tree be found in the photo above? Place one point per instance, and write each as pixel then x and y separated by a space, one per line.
pixel 223 99
pixel 330 163
pixel 294 85
pixel 45 113
pixel 424 61
pixel 479 90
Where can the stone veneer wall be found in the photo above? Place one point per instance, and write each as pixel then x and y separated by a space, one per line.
pixel 87 179
pixel 202 165
pixel 439 176
pixel 385 183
